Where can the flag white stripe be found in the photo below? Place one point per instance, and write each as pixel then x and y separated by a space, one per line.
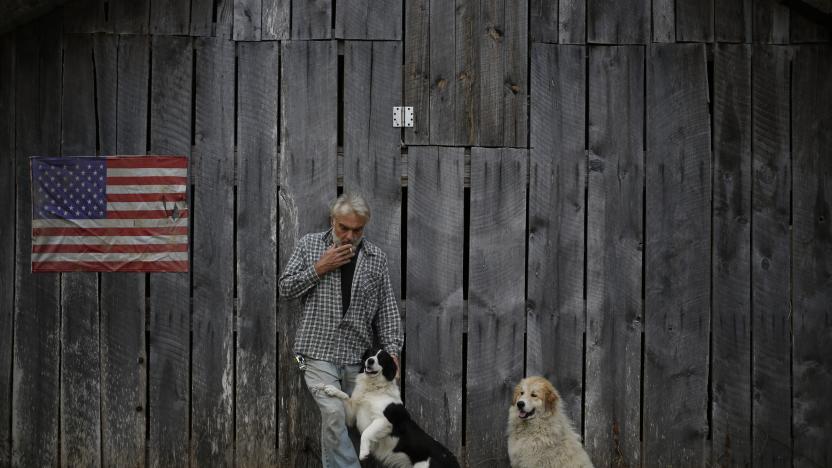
pixel 108 240
pixel 110 257
pixel 145 188
pixel 161 172
pixel 146 205
pixel 108 223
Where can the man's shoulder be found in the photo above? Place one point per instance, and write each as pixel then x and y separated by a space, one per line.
pixel 312 238
pixel 373 250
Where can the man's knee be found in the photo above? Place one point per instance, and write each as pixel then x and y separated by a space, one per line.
pixel 332 412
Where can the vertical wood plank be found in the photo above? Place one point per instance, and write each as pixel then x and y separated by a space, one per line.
pixel 417 69
pixel 36 350
pixel 307 186
pixel 274 19
pixel 256 378
pixel 7 246
pixel 123 356
pixel 311 19
pixel 503 61
pixel 614 255
pixel 664 21
pixel 731 315
pixel 443 82
pixel 370 20
pixel 812 241
pixel 694 21
pixel 468 72
pixel 434 300
pixel 676 321
pixel 170 17
pixel 247 20
pixel 105 57
pixel 572 21
pixel 130 16
pixel 80 367
pixel 543 21
pixel 771 258
pixel 555 323
pixel 372 147
pixel 202 17
pixel 212 365
pixel 170 133
pixel 495 297
pixel 771 22
pixel 224 25
pixel 732 21
pixel 622 22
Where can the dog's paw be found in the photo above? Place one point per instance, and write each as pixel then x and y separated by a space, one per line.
pixel 334 392
pixel 364 454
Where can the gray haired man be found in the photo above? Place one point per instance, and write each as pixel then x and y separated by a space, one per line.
pixel 344 284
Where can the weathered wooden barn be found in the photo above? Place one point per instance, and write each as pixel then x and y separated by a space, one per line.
pixel 629 197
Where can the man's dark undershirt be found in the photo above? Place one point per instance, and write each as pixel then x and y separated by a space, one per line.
pixel 347 272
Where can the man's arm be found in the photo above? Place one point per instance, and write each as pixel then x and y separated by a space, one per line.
pixel 299 275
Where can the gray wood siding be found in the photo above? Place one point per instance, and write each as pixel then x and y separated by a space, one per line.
pixel 615 246
pixel 731 280
pixel 812 260
pixel 677 281
pixel 435 217
pixel 495 308
pixel 557 181
pixel 771 257
pixel 36 341
pixel 256 253
pixel 212 358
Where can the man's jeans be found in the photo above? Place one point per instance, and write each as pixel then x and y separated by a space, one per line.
pixel 337 450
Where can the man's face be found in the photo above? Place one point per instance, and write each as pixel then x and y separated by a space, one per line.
pixel 348 229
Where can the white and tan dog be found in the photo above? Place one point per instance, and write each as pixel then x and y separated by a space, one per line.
pixel 540 435
pixel 375 389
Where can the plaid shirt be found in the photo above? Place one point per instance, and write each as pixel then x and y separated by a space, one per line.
pixel 327 334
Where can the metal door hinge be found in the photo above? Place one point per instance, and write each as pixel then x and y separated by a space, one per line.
pixel 402 116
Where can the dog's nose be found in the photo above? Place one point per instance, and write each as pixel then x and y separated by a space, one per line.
pixel 521 404
pixel 371 361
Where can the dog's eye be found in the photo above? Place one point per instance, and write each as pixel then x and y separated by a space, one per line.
pixel 534 395
pixel 522 393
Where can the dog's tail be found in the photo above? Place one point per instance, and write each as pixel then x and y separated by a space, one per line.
pixel 396 413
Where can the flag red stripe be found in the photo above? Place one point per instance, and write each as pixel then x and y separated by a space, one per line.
pixel 134 231
pixel 103 248
pixel 146 162
pixel 145 214
pixel 148 180
pixel 173 266
pixel 145 197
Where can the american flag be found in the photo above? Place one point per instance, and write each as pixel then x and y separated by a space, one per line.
pixel 112 213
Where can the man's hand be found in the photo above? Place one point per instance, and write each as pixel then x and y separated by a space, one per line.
pixel 334 258
pixel 398 367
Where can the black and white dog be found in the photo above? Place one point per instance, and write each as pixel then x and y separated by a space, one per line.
pixel 387 431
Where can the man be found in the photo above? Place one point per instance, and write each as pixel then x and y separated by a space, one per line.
pixel 347 299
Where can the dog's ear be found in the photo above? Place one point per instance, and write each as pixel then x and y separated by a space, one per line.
pixel 552 398
pixel 388 366
pixel 517 390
